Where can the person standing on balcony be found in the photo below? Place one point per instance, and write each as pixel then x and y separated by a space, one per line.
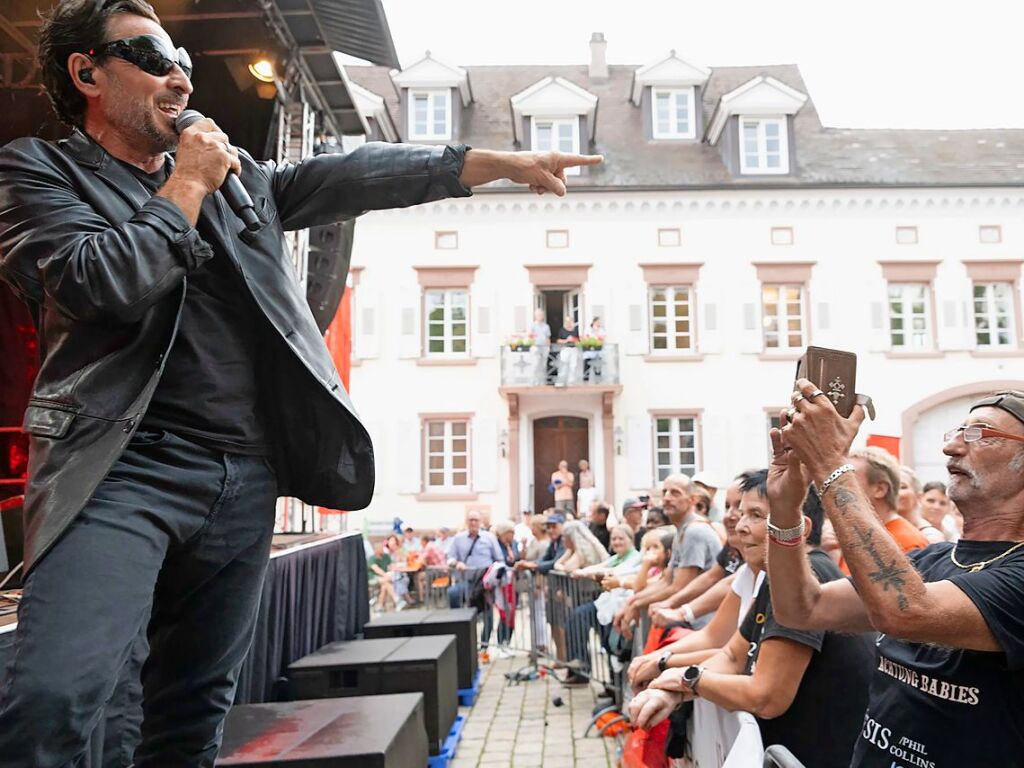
pixel 540 332
pixel 562 482
pixel 593 353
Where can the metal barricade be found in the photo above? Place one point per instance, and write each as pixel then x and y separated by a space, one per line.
pixel 550 619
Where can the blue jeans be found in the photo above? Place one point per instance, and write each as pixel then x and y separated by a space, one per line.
pixel 175 540
pixel 458 597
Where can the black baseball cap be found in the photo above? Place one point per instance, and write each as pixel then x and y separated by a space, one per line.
pixel 1011 401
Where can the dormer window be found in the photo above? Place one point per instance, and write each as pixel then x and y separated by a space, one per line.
pixel 557 135
pixel 673 116
pixel 430 115
pixel 764 145
pixel 554 115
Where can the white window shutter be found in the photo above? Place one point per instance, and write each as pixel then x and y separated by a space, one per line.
pixel 639 450
pixel 410 307
pixel 367 322
pixel 880 341
pixel 710 338
pixel 636 320
pixel 377 439
pixel 408 442
pixel 520 320
pixel 484 468
pixel 481 327
pixel 753 340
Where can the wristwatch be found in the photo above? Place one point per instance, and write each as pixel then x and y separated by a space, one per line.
pixel 663 661
pixel 692 675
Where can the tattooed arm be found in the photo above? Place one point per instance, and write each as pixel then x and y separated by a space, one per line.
pixel 895 598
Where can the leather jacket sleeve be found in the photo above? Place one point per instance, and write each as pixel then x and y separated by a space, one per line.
pixel 53 244
pixel 328 188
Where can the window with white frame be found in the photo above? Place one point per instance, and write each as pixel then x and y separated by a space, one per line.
pixel 446 322
pixel 447 455
pixel 764 145
pixel 782 312
pixel 672 116
pixel 993 315
pixel 675 446
pixel 909 316
pixel 557 135
pixel 430 114
pixel 670 318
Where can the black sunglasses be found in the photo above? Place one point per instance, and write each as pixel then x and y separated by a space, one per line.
pixel 147 52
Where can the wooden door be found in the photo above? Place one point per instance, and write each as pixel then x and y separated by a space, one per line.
pixel 556 438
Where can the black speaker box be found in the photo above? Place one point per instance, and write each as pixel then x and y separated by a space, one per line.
pixel 360 732
pixel 387 665
pixel 460 622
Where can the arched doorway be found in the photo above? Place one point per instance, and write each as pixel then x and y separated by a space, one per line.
pixel 556 438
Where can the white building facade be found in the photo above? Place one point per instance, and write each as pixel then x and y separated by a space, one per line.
pixel 726 231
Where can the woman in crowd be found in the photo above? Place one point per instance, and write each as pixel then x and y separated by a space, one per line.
pixel 505 532
pixel 907 505
pixel 379 563
pixel 624 562
pixel 582 548
pixel 808 690
pixel 937 509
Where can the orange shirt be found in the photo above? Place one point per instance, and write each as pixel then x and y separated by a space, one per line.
pixel 906 535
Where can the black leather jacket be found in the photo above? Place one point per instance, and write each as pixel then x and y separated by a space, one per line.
pixel 104 267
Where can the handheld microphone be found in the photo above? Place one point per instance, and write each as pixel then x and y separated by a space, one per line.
pixel 236 195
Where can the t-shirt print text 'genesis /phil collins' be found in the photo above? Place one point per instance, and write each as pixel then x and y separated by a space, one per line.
pixel 935 707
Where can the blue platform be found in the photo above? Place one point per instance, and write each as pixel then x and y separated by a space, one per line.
pixel 467 696
pixel 452 742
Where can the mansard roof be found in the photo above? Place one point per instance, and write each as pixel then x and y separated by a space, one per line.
pixel 823 156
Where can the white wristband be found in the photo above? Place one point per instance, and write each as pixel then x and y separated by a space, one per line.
pixel 688 614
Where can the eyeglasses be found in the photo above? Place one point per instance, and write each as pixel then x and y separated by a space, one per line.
pixel 149 53
pixel 973 434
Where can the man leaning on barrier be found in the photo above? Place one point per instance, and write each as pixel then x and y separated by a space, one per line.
pixel 948 686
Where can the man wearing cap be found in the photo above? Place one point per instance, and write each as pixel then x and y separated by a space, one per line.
pixel 556 547
pixel 633 516
pixel 948 686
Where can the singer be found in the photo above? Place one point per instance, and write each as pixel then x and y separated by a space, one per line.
pixel 183 384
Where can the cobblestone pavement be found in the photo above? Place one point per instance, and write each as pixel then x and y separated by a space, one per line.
pixel 519 726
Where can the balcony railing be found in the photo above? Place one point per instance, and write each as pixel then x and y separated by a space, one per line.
pixel 560 365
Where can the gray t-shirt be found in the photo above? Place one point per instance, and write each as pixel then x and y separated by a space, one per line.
pixel 696 545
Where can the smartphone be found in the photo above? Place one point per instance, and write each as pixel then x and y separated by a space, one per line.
pixel 834 372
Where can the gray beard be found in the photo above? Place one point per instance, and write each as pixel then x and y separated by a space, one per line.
pixel 133 118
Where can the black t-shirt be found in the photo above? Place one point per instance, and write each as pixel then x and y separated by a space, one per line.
pixel 208 391
pixel 933 707
pixel 564 334
pixel 821 725
pixel 730 559
pixel 600 530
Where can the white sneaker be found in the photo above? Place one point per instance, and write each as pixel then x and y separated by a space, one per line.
pixel 504 652
pixel 400 604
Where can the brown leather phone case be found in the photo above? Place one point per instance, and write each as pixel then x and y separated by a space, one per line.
pixel 834 372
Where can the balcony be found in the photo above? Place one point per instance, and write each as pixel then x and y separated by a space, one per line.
pixel 560 366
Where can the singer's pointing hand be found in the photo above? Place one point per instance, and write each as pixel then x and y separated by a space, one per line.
pixel 541 171
pixel 205 155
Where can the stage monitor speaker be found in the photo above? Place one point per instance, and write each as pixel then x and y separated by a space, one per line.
pixel 460 622
pixel 386 665
pixel 360 732
pixel 330 252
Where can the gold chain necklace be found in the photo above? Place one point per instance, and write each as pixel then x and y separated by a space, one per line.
pixel 975 567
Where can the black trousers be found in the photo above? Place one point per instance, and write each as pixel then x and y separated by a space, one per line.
pixel 176 541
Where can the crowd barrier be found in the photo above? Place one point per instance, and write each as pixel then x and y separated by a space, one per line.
pixel 551 620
